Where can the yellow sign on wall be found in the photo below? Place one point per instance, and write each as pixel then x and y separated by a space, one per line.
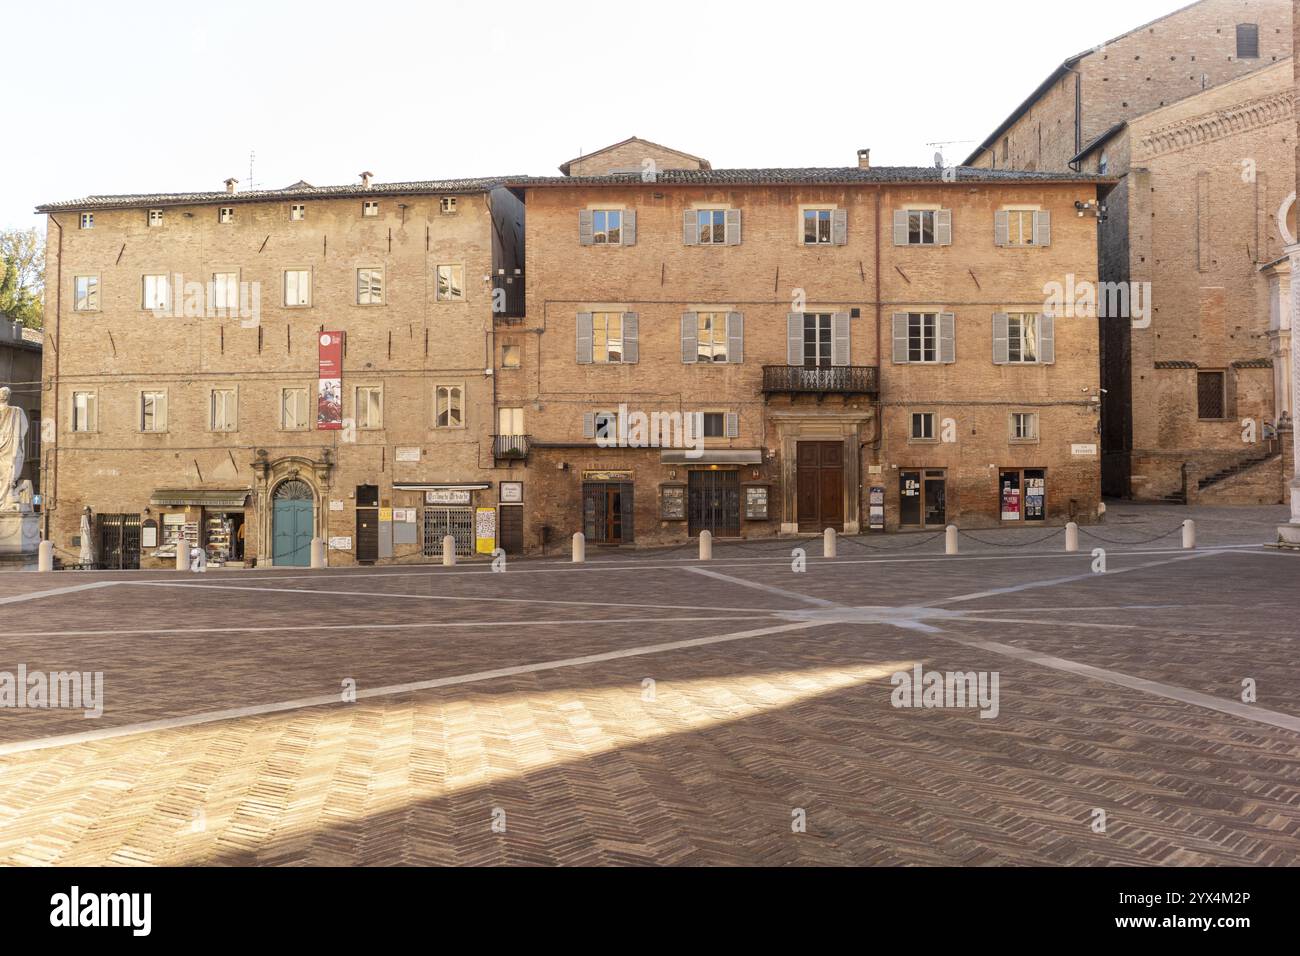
pixel 485 530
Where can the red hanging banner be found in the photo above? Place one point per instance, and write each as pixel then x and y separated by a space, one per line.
pixel 329 390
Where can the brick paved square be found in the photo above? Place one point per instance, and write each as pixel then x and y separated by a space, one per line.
pixel 654 708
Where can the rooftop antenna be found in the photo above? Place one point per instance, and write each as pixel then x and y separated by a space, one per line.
pixel 252 154
pixel 938 157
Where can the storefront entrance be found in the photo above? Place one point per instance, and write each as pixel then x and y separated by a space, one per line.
pixel 510 528
pixel 607 512
pixel 1022 494
pixel 119 541
pixel 440 522
pixel 820 486
pixel 713 503
pixel 292 521
pixel 922 499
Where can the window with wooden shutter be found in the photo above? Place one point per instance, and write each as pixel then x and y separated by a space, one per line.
pixel 1047 339
pixel 690 339
pixel 733 425
pixel 840 227
pixel 902 337
pixel 794 338
pixel 690 228
pixel 1042 228
pixel 900 227
pixel 585 338
pixel 1001 336
pixel 735 338
pixel 629 227
pixel 631 338
pixel 733 227
pixel 840 339
pixel 585 228
pixel 947 338
pixel 943 227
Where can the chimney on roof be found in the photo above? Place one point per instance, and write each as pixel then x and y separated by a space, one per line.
pixel 230 184
pixel 365 179
pixel 864 159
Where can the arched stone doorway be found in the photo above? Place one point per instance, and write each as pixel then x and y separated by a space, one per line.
pixel 293 522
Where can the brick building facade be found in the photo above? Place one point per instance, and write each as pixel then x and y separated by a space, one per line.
pixel 184 376
pixel 840 330
pixel 1190 114
pixel 849 337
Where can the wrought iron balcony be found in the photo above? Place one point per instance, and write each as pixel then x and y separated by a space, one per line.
pixel 509 447
pixel 834 380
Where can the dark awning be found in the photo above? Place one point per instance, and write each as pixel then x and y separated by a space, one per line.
pixel 201 497
pixel 713 456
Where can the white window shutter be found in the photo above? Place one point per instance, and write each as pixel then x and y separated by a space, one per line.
pixel 1001 228
pixel 943 227
pixel 900 227
pixel 794 338
pixel 1000 338
pixel 900 338
pixel 733 425
pixel 690 228
pixel 1047 339
pixel 840 339
pixel 733 227
pixel 629 227
pixel 690 338
pixel 1042 228
pixel 584 338
pixel 585 236
pixel 947 338
pixel 735 338
pixel 840 227
pixel 589 425
pixel 631 345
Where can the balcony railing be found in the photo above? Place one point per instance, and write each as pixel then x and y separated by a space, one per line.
pixel 508 296
pixel 509 447
pixel 836 380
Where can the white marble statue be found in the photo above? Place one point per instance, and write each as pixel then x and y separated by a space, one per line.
pixel 13 450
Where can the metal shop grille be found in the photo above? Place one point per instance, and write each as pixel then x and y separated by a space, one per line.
pixel 457 522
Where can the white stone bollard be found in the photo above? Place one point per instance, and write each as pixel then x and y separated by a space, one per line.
pixel 448 550
pixel 579 547
pixel 318 553
pixel 950 540
pixel 45 558
pixel 1189 534
pixel 198 561
pixel 706 545
pixel 1072 536
pixel 829 543
pixel 182 555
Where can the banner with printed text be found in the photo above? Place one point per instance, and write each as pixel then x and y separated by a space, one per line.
pixel 329 389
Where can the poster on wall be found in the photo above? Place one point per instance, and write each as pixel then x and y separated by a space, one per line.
pixel 877 506
pixel 329 387
pixel 1010 497
pixel 1035 498
pixel 485 530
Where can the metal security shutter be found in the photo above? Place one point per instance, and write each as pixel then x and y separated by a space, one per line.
pixel 439 522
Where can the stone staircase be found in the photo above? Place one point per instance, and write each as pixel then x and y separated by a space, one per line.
pixel 1235 469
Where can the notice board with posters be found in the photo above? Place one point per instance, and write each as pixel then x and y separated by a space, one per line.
pixel 329 382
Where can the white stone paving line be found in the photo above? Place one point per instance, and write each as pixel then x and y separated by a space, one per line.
pixel 172 723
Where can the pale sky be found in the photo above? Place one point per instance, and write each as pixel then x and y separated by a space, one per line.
pixel 131 97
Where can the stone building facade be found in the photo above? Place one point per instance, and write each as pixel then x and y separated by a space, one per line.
pixel 843 334
pixel 1189 113
pixel 186 378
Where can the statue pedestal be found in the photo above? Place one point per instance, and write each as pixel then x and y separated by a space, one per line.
pixel 20 538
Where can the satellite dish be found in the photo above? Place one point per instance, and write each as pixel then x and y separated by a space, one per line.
pixel 938 160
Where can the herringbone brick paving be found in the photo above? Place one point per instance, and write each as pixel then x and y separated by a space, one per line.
pixel 584 762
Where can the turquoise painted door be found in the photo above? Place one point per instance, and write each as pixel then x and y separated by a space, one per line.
pixel 291 525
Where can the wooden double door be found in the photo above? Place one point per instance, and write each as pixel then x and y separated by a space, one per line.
pixel 819 486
